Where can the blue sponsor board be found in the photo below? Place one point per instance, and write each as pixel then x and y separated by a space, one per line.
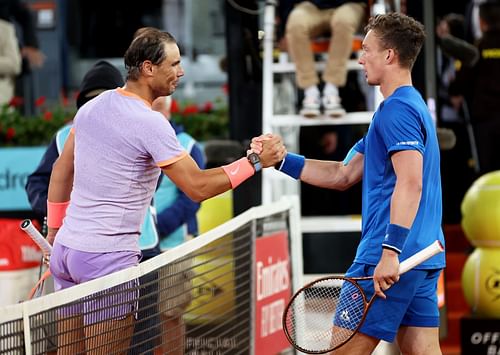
pixel 15 166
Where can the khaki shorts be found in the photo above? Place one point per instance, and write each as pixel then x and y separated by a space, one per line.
pixel 175 288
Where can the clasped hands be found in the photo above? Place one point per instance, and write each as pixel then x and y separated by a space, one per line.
pixel 270 149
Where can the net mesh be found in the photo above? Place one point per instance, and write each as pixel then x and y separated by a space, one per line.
pixel 11 337
pixel 194 299
pixel 325 315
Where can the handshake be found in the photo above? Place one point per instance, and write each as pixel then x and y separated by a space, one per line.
pixel 272 152
pixel 269 148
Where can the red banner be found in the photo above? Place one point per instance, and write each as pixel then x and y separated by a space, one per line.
pixel 17 250
pixel 273 290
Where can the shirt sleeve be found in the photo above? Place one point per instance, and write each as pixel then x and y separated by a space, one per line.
pixel 160 141
pixel 401 128
pixel 360 146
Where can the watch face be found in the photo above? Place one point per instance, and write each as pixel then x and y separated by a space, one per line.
pixel 254 158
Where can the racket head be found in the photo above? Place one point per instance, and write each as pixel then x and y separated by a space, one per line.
pixel 325 314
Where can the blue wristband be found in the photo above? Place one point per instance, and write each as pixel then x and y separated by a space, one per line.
pixel 395 238
pixel 292 165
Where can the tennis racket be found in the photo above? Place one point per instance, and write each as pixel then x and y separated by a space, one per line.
pixel 326 313
pixel 42 243
pixel 46 248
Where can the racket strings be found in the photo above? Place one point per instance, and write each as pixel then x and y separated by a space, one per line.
pixel 324 315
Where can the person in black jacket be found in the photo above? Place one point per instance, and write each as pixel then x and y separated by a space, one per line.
pixel 479 86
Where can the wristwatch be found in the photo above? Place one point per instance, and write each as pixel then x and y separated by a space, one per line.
pixel 254 159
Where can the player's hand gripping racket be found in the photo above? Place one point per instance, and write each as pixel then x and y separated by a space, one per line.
pixel 326 313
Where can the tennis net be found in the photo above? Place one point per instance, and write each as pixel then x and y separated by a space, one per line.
pixel 220 293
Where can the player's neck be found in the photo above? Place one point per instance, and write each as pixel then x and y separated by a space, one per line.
pixel 395 80
pixel 137 88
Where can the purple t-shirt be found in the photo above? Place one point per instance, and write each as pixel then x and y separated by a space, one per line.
pixel 120 143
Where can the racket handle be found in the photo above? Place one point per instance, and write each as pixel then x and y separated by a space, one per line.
pixel 420 257
pixel 30 229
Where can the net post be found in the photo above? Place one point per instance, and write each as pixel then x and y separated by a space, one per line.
pixel 297 266
pixel 296 242
pixel 26 329
pixel 253 298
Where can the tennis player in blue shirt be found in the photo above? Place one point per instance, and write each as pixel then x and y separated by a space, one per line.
pixel 398 161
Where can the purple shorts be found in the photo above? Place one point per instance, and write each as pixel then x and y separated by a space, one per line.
pixel 71 267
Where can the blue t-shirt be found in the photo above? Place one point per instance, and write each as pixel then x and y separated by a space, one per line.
pixel 402 122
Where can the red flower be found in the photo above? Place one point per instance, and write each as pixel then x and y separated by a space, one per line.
pixel 207 107
pixel 40 101
pixel 174 107
pixel 11 132
pixel 190 109
pixel 16 101
pixel 64 100
pixel 47 116
pixel 225 88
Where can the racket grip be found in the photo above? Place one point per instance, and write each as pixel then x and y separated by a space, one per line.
pixel 30 229
pixel 420 257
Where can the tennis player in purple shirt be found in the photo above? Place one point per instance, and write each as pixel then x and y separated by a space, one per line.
pixel 103 181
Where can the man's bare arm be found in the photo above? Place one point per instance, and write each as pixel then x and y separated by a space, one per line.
pixel 408 166
pixel 61 179
pixel 200 185
pixel 333 174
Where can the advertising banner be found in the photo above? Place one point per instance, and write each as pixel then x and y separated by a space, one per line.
pixel 273 290
pixel 15 166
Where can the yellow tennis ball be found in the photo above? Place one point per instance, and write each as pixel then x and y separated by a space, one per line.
pixel 481 282
pixel 213 285
pixel 481 211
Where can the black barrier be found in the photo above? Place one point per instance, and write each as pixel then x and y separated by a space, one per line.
pixel 480 336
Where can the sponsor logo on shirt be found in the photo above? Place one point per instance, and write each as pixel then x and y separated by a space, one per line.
pixel 408 143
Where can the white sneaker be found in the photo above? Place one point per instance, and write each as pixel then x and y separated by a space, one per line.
pixel 332 106
pixel 310 107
